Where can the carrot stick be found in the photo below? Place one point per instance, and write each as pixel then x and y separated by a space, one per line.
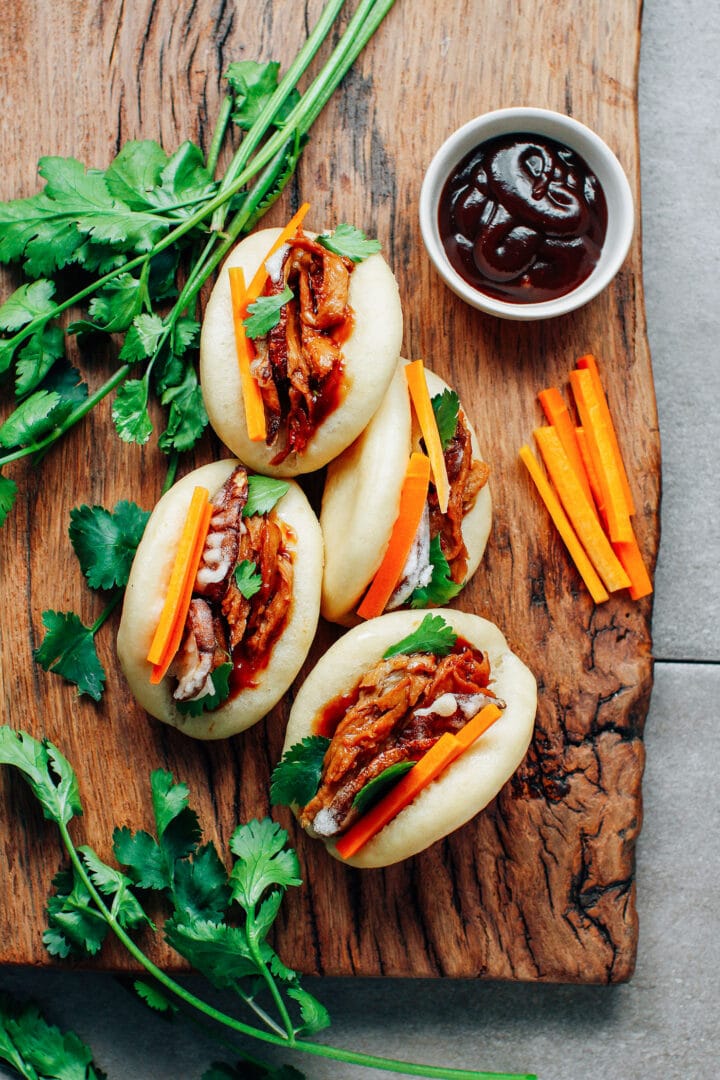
pixel 577 553
pixel 417 385
pixel 257 284
pixel 589 363
pixel 592 476
pixel 478 725
pixel 179 590
pixel 630 556
pixel 579 511
pixel 603 455
pixel 413 496
pixel 252 397
pixel 558 415
pixel 428 768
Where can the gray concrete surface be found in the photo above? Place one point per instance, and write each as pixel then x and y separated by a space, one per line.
pixel 663 1024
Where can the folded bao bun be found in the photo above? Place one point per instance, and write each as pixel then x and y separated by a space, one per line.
pixel 473 779
pixel 370 354
pixel 145 595
pixel 361 498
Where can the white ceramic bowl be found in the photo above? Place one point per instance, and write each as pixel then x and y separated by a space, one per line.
pixel 563 129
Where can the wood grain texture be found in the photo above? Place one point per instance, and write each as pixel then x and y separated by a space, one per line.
pixel 540 886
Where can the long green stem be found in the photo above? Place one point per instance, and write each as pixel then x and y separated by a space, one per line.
pixel 106 612
pixel 285 87
pixel 77 414
pixel 318 1049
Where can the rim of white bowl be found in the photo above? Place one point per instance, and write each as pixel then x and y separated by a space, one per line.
pixel 598 156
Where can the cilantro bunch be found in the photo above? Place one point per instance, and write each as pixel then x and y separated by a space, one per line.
pixel 141 238
pixel 218 919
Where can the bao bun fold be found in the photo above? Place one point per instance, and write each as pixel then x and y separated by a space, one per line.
pixel 474 778
pixel 361 498
pixel 369 354
pixel 147 587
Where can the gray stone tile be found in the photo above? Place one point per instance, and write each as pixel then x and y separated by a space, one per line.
pixel 679 106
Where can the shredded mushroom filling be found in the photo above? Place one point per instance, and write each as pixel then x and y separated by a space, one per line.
pixel 298 364
pixel 397 712
pixel 223 625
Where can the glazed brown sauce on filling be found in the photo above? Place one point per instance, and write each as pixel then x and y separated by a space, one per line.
pixel 333 712
pixel 247 666
pixel 523 218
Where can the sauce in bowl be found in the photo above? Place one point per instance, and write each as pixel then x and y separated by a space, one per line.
pixel 523 218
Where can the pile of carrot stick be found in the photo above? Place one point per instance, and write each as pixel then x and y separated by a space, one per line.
pixel 586 489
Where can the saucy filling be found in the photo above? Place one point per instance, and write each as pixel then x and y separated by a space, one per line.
pixel 299 364
pixel 396 712
pixel 224 626
pixel 467 477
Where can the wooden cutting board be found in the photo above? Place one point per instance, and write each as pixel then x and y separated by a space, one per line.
pixel 541 885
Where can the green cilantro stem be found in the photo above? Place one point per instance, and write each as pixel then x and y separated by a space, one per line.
pixel 106 612
pixel 318 1049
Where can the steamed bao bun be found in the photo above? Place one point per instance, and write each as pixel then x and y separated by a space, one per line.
pixel 473 779
pixel 370 354
pixel 361 498
pixel 145 595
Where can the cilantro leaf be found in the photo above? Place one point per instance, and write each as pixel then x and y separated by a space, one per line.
pixel 433 635
pixel 219 951
pixel 143 338
pixel 115 306
pixel 105 542
pixel 252 85
pixel 143 858
pixel 441 586
pixel 446 407
pixel 74 925
pixel 37 358
pixel 50 775
pixel 28 302
pixel 177 824
pixel 263 861
pixel 36 1048
pixel 208 702
pixel 8 495
pixel 135 171
pixel 314 1014
pixel 263 493
pixel 34 418
pixel 130 412
pixel 200 889
pixel 351 242
pixel 247 578
pixel 296 777
pixel 154 997
pixel 68 649
pixel 374 790
pixel 111 882
pixel 187 419
pixel 264 314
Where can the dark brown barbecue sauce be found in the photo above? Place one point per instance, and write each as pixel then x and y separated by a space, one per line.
pixel 523 218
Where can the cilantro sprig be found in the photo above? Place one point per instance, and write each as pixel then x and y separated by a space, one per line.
pixel 296 777
pixel 218 919
pixel 105 543
pixel 433 635
pixel 349 241
pixel 441 586
pixel 147 232
pixel 264 314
